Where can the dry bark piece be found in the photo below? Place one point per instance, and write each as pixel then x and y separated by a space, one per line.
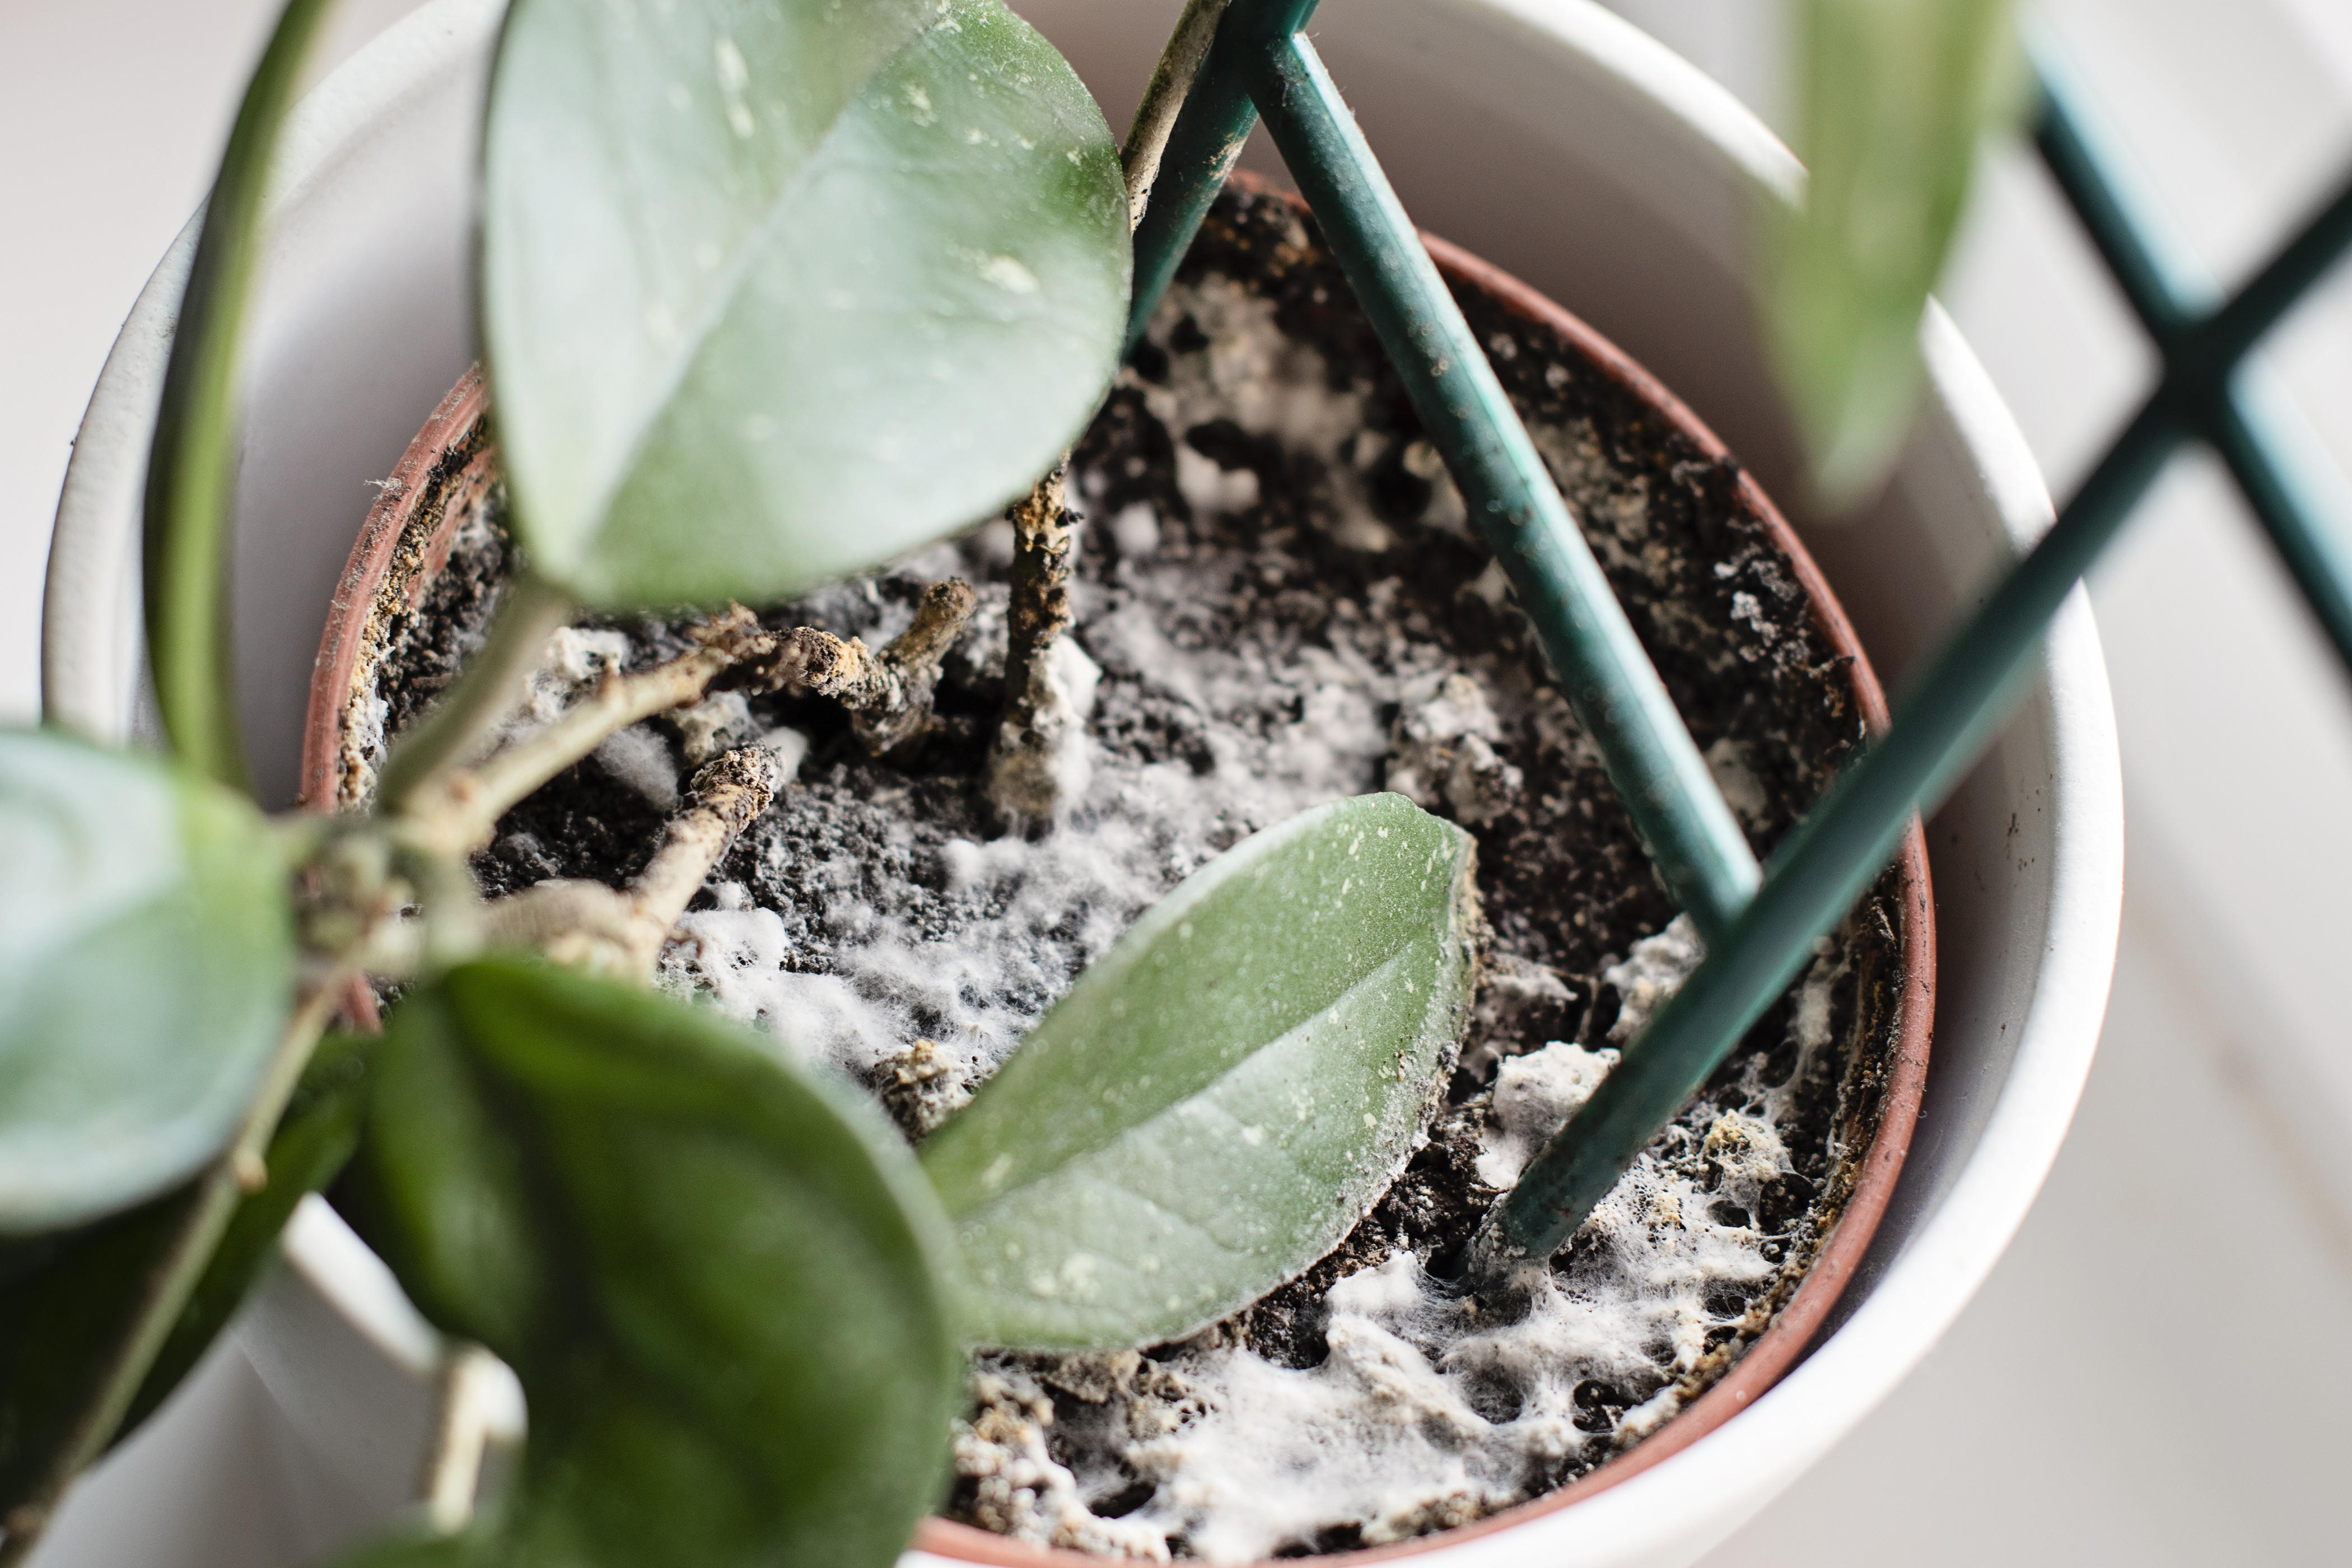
pixel 889 694
pixel 924 1087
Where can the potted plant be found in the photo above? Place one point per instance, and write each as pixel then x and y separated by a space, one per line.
pixel 905 973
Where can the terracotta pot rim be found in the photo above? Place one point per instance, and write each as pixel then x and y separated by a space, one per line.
pixel 460 422
pixel 464 412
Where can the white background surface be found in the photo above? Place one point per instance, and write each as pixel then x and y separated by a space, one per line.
pixel 2155 1374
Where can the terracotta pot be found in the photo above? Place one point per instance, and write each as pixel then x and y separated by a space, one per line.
pixel 1554 139
pixel 452 463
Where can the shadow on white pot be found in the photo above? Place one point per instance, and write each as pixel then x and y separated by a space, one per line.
pixel 1545 135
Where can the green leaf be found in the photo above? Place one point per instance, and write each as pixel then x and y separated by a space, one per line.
pixel 716 1278
pixel 773 293
pixel 1892 98
pixel 66 1299
pixel 146 968
pixel 1225 1093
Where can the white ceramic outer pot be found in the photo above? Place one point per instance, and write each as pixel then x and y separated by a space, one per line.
pixel 1545 135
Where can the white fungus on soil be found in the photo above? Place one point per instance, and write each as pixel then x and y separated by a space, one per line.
pixel 575 659
pixel 915 959
pixel 1422 1414
pixel 1533 1097
pixel 1652 972
pixel 1061 898
pixel 1441 750
pixel 639 757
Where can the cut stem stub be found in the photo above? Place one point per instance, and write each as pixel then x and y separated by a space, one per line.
pixel 1029 772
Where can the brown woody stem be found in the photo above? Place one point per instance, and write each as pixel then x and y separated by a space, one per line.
pixel 1155 117
pixel 1040 609
pixel 1026 778
pixel 455 811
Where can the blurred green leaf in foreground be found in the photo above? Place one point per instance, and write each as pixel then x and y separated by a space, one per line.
pixel 146 969
pixel 717 1277
pixel 1892 98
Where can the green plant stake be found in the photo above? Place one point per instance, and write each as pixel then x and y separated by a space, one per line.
pixel 1263 64
pixel 1957 705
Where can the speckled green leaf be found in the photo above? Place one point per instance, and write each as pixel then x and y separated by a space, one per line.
pixel 715 1277
pixel 774 291
pixel 1893 97
pixel 1225 1093
pixel 146 967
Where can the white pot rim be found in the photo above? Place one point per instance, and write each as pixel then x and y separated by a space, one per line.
pixel 92 654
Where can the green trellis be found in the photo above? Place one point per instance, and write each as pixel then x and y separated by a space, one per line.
pixel 1759 922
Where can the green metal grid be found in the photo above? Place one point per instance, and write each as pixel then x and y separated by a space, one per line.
pixel 1759 928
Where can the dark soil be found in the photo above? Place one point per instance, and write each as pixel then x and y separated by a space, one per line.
pixel 859 844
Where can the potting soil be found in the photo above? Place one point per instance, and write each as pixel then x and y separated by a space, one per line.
pixel 1279 603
